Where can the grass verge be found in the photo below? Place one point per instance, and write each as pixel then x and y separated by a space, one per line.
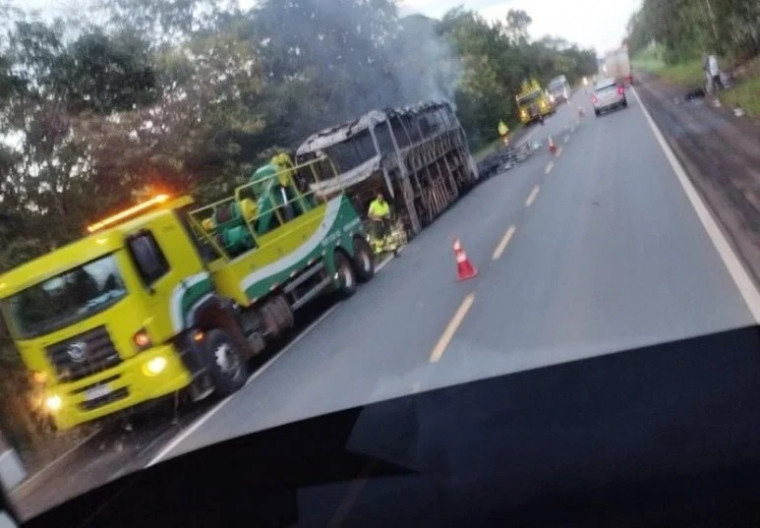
pixel 688 73
pixel 486 150
pixel 746 95
pixel 489 148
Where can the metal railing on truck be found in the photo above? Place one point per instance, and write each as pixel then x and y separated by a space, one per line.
pixel 263 206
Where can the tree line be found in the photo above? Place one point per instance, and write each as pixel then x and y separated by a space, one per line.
pixel 191 95
pixel 691 28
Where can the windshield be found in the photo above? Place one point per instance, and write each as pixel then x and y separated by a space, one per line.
pixel 530 98
pixel 352 201
pixel 557 87
pixel 66 298
pixel 605 86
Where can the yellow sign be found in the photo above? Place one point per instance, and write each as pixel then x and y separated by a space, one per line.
pixel 503 128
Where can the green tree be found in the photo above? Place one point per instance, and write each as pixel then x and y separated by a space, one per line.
pixel 689 28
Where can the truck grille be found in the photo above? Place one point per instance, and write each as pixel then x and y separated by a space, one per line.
pixel 116 395
pixel 83 355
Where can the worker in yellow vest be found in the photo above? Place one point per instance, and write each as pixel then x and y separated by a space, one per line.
pixel 380 214
pixel 503 132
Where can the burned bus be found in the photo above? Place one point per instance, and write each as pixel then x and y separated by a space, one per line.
pixel 417 156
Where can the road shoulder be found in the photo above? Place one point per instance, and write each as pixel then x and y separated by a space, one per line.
pixel 721 155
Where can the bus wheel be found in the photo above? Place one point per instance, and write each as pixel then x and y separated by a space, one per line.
pixel 345 275
pixel 364 260
pixel 226 363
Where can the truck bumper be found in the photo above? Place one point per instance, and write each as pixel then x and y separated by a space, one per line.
pixel 134 381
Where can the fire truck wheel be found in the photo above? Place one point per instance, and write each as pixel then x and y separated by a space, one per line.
pixel 345 275
pixel 364 260
pixel 226 364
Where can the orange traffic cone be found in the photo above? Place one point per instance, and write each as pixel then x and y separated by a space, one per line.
pixel 552 146
pixel 465 268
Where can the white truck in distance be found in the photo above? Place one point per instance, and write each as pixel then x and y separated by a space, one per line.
pixel 617 65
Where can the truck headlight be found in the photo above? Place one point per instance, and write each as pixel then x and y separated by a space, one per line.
pixel 53 402
pixel 154 367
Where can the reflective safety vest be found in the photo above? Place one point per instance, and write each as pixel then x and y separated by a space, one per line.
pixel 379 209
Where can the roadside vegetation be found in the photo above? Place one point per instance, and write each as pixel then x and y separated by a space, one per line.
pixel 670 40
pixel 746 92
pixel 687 73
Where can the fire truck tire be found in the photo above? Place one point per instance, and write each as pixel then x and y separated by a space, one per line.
pixel 226 362
pixel 345 275
pixel 364 260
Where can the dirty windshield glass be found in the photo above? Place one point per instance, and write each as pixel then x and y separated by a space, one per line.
pixel 327 204
pixel 66 298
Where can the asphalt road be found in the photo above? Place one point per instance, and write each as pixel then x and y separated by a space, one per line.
pixel 592 251
pixel 607 253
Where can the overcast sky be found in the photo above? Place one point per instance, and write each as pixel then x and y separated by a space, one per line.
pixel 598 24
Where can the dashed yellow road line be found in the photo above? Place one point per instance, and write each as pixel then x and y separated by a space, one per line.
pixel 451 328
pixel 532 196
pixel 549 167
pixel 503 243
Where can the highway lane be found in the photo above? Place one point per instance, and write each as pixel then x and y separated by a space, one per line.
pixel 606 252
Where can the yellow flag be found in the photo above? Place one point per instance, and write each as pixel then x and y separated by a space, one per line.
pixel 503 129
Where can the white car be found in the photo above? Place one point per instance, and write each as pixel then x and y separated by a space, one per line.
pixel 608 94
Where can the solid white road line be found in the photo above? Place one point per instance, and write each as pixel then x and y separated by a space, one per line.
pixel 43 471
pixel 187 432
pixel 735 268
pixel 451 328
pixel 385 262
pixel 532 196
pixel 203 419
pixel 503 243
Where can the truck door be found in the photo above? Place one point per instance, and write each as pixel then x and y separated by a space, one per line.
pixel 171 271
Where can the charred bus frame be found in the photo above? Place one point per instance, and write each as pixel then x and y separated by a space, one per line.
pixel 417 156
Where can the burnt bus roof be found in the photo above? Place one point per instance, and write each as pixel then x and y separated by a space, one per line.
pixel 337 134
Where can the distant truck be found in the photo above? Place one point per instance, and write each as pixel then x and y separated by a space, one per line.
pixel 559 90
pixel 617 65
pixel 532 102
